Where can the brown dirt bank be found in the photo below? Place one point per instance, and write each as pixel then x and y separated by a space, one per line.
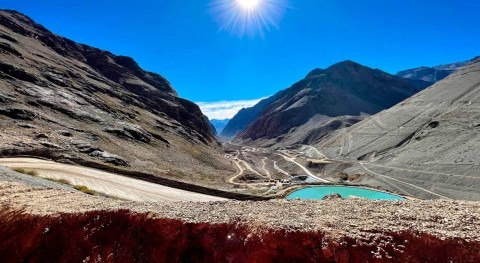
pixel 123 236
pixel 39 224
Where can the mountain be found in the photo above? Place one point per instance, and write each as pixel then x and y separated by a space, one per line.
pixel 245 117
pixel 325 100
pixel 433 74
pixel 429 140
pixel 219 125
pixel 69 101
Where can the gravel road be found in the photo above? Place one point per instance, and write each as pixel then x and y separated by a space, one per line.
pixel 107 183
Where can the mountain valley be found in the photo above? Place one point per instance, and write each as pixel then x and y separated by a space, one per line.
pixel 102 160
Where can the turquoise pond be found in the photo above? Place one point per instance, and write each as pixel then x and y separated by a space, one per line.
pixel 318 192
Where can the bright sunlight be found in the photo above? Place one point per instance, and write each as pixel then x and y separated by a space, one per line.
pixel 248 4
pixel 248 17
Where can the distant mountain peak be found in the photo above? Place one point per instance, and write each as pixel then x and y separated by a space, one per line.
pixel 315 72
pixel 344 89
pixel 343 65
pixel 346 64
pixel 348 68
pixel 435 73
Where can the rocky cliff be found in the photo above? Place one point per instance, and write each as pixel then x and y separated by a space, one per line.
pixel 69 101
pixel 325 100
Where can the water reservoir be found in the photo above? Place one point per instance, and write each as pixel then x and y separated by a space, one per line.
pixel 318 192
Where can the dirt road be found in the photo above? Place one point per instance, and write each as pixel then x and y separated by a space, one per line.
pixel 240 172
pixel 400 181
pixel 267 172
pixel 292 160
pixel 107 183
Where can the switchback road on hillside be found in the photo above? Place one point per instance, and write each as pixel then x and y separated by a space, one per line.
pixel 424 172
pixel 400 181
pixel 267 172
pixel 316 150
pixel 292 160
pixel 107 183
pixel 238 162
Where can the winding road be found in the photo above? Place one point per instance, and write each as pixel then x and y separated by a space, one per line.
pixel 315 150
pixel 424 172
pixel 275 166
pixel 267 172
pixel 107 183
pixel 292 160
pixel 240 171
pixel 400 181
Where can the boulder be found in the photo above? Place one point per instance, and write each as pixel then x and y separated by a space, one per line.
pixel 109 158
pixel 85 147
pixel 130 131
pixel 65 133
pixel 26 126
pixel 334 196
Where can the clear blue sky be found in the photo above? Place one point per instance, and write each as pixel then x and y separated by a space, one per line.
pixel 180 39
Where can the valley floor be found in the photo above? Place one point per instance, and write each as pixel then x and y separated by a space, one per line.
pixel 272 172
pixel 351 230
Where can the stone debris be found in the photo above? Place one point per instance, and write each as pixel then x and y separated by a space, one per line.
pixel 337 218
pixel 332 197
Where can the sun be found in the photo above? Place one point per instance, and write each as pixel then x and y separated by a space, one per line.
pixel 248 4
pixel 248 17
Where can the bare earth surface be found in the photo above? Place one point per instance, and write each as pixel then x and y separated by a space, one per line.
pixel 107 183
pixel 354 218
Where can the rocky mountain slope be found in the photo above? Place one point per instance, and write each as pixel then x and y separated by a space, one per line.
pixel 429 140
pixel 69 101
pixel 325 100
pixel 433 74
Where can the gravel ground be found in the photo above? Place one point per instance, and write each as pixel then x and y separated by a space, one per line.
pixel 111 184
pixel 7 175
pixel 339 218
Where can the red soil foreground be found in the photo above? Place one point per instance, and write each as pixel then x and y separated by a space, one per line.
pixel 123 236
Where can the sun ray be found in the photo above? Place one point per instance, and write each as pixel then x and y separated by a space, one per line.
pixel 248 17
pixel 248 4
